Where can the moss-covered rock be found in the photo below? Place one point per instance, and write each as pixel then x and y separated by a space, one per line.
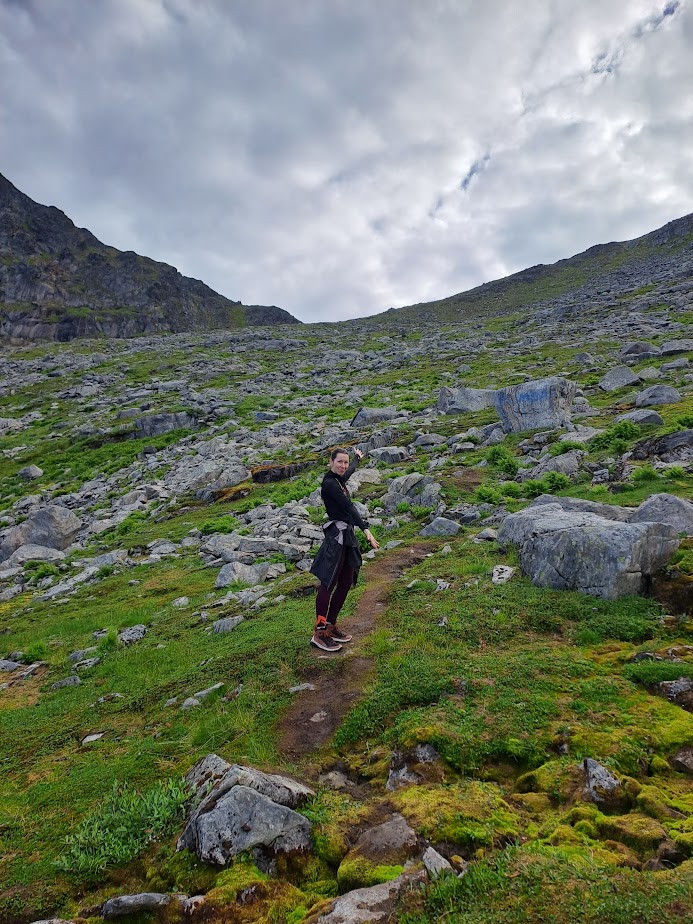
pixel 641 833
pixel 471 814
pixel 558 779
pixel 243 895
pixel 356 872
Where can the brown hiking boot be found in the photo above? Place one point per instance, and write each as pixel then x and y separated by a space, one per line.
pixel 336 634
pixel 321 637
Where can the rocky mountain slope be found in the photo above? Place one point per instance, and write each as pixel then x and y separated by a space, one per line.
pixel 58 282
pixel 594 281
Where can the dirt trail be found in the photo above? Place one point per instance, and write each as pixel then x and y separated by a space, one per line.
pixel 315 715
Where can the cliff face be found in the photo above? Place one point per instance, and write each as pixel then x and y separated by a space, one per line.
pixel 59 282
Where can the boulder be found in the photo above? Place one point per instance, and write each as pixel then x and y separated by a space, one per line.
pixel 568 463
pixel 602 787
pixel 574 550
pixel 535 405
pixel 52 526
pixel 608 511
pixel 136 904
pixel 246 574
pixel 683 760
pixel 374 905
pixel 372 415
pixel 389 844
pixel 657 394
pixel 462 400
pixel 30 473
pixel 673 447
pixel 642 417
pixel 618 377
pixel 390 454
pixel 639 350
pixel 31 552
pixel 666 508
pixel 676 346
pixel 158 424
pixel 243 819
pixel 441 526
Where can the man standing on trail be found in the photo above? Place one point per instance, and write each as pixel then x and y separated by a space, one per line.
pixel 338 560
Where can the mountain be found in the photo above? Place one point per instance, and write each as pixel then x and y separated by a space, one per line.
pixel 603 275
pixel 58 282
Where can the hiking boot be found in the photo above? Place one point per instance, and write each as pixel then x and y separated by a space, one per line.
pixel 336 634
pixel 321 637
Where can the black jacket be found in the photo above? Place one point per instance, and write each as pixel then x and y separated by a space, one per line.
pixel 339 506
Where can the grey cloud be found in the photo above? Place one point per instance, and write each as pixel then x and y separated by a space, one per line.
pixel 338 159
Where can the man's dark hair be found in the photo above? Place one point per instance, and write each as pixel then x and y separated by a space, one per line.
pixel 337 452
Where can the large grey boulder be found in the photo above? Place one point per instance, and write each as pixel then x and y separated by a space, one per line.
pixel 158 424
pixel 32 552
pixel 390 454
pixel 246 820
pixel 568 463
pixel 374 905
pixel 573 550
pixel 639 349
pixel 246 574
pixel 536 405
pixel 462 400
pixel 608 511
pixel 673 447
pixel 618 377
pixel 372 415
pixel 136 904
pixel 245 809
pixel 666 508
pixel 228 478
pixel 657 394
pixel 441 526
pixel 414 488
pixel 52 526
pixel 642 417
pixel 676 346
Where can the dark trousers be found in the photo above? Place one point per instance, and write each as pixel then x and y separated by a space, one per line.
pixel 330 600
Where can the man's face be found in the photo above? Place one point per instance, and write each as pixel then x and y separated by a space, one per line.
pixel 340 464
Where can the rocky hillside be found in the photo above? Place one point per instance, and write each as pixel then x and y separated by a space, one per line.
pixel 58 282
pixel 593 282
pixel 508 736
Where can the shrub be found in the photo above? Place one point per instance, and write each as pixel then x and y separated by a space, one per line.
pixel 487 494
pixel 645 473
pixel 557 449
pixel 625 430
pixel 503 459
pixel 124 824
pixel 685 421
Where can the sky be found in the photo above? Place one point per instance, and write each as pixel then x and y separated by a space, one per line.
pixel 340 157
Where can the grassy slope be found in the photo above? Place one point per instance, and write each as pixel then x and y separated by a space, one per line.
pixel 516 672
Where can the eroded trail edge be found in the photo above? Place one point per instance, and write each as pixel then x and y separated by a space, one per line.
pixel 315 715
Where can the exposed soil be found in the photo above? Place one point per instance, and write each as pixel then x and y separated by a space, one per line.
pixel 315 715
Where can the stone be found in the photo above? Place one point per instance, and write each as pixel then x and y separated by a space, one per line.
pixel 228 624
pixel 31 552
pixel 435 863
pixel 501 574
pixel 642 417
pixel 463 400
pixel 158 424
pixel 242 819
pixel 374 905
pixel 683 760
pixel 30 473
pixel 666 508
pixel 372 415
pixel 132 634
pixel 390 454
pixel 440 526
pixel 8 666
pixel 618 377
pixel 53 526
pixel 535 405
pixel 71 681
pixel 639 349
pixel 245 574
pixel 601 786
pixel 567 463
pixel 673 447
pixel 676 346
pixel 136 904
pixel 574 550
pixel 657 394
pixel 181 602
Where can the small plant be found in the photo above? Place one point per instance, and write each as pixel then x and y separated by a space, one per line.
pixel 503 459
pixel 488 494
pixel 403 507
pixel 108 643
pixel 685 421
pixel 644 473
pixel 562 446
pixel 125 823
pixel 625 430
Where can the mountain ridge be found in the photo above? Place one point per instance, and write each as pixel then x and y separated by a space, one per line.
pixel 59 282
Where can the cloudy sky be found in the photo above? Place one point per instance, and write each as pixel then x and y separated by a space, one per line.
pixel 339 157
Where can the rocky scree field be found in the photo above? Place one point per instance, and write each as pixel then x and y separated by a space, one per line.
pixel 518 742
